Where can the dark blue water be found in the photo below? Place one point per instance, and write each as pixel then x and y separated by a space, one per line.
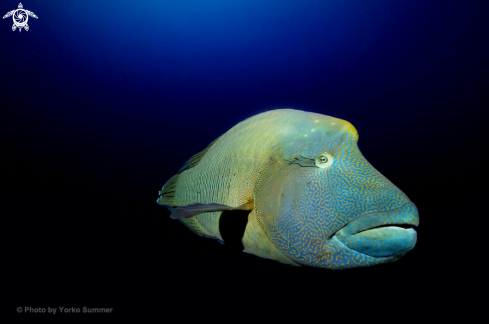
pixel 103 101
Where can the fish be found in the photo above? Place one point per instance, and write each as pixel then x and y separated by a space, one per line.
pixel 311 196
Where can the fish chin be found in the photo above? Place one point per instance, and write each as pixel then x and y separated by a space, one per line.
pixel 376 234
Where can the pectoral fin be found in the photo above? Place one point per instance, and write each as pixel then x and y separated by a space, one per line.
pixel 191 210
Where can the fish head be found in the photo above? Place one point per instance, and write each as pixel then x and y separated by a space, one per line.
pixel 322 204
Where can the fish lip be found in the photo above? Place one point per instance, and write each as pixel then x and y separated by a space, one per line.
pixel 404 214
pixel 363 235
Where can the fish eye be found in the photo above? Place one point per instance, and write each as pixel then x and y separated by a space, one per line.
pixel 323 160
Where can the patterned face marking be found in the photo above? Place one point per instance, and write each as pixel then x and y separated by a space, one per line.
pixel 301 208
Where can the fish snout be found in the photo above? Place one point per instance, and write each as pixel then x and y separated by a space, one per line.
pixel 382 234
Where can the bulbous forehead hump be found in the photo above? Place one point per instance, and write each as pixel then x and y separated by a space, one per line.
pixel 312 133
pixel 310 122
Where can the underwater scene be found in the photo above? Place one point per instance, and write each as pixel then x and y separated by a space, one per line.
pixel 167 152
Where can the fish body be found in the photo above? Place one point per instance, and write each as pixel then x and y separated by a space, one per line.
pixel 312 198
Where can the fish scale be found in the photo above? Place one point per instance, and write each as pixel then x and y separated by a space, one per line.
pixel 240 142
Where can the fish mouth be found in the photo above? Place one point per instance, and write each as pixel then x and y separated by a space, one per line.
pixel 382 234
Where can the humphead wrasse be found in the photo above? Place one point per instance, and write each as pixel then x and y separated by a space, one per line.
pixel 313 199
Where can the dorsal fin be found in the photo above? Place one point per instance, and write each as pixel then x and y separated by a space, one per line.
pixel 194 160
pixel 167 193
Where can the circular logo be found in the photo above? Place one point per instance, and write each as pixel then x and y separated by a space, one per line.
pixel 20 18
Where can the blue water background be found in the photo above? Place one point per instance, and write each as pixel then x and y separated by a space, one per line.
pixel 103 101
